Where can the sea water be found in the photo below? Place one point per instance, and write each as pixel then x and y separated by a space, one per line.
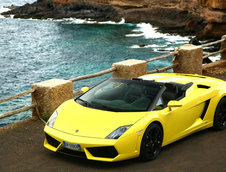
pixel 32 51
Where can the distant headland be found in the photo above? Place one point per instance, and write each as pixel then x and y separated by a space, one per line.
pixel 204 18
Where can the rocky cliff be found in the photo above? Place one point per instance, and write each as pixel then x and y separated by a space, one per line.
pixel 204 18
pixel 216 4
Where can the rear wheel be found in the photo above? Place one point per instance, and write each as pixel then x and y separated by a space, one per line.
pixel 151 142
pixel 219 122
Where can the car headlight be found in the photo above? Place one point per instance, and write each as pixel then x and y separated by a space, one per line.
pixel 118 132
pixel 52 119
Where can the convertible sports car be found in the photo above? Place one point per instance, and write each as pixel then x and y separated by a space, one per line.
pixel 121 119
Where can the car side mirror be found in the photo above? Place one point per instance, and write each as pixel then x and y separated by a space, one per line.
pixel 84 89
pixel 172 104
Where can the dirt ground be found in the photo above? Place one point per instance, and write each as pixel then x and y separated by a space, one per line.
pixel 21 149
pixel 218 71
pixel 219 76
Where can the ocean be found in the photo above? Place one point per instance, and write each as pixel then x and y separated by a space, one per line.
pixel 32 51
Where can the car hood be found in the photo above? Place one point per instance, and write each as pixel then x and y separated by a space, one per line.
pixel 87 122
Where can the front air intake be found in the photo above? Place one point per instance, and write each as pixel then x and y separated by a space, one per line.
pixel 53 142
pixel 72 153
pixel 104 152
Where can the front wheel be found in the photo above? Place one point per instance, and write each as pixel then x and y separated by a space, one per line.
pixel 151 142
pixel 219 122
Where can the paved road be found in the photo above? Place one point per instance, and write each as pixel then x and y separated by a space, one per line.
pixel 21 149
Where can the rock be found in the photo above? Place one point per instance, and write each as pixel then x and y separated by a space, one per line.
pixel 194 41
pixel 206 61
pixel 216 4
pixel 80 9
pixel 142 45
pixel 204 18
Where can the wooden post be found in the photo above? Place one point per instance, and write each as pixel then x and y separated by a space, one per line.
pixel 129 69
pixel 189 59
pixel 223 46
pixel 50 94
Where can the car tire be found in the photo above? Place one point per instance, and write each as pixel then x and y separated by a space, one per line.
pixel 151 142
pixel 219 122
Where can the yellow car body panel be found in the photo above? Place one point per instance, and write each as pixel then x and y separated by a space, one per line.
pixel 89 127
pixel 92 122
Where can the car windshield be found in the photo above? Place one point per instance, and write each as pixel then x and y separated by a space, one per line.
pixel 121 95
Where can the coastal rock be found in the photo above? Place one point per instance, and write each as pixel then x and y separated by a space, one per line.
pixel 79 9
pixel 204 18
pixel 168 19
pixel 216 4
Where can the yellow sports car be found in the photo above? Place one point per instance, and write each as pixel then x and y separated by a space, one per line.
pixel 121 119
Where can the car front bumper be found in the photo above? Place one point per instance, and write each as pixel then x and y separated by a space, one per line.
pixel 94 148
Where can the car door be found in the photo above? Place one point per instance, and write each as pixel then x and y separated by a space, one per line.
pixel 181 117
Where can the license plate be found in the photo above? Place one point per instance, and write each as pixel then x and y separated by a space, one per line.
pixel 72 146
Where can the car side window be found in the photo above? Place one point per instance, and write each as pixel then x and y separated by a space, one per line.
pixel 159 104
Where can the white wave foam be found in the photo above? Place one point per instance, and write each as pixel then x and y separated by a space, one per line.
pixel 148 46
pixel 148 31
pixel 167 49
pixel 135 35
pixel 164 50
pixel 111 22
pixel 2 10
pixel 136 46
pixel 215 58
pixel 87 21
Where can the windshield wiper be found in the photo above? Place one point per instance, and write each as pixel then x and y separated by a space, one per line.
pixel 103 107
pixel 85 102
